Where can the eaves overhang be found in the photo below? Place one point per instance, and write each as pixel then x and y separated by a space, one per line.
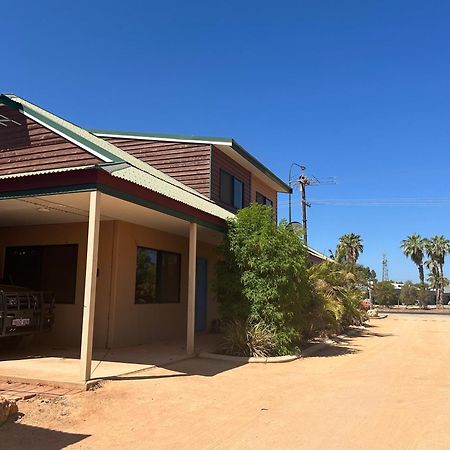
pixel 97 178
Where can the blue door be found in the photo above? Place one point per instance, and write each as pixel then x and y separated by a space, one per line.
pixel 201 294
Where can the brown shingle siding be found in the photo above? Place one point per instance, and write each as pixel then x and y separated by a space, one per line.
pixel 188 163
pixel 30 147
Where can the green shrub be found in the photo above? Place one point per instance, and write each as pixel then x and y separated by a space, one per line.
pixel 262 276
pixel 424 296
pixel 270 297
pixel 384 293
pixel 408 293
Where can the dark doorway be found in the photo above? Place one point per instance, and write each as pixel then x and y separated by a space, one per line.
pixel 44 268
pixel 201 294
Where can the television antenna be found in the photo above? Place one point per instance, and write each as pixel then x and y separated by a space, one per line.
pixel 302 181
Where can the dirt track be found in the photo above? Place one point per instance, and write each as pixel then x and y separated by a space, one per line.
pixel 388 388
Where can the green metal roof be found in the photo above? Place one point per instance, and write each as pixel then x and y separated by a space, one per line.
pixel 46 171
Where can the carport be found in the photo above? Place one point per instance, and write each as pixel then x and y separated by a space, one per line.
pixel 107 224
pixel 124 246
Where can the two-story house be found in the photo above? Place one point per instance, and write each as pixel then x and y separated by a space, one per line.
pixel 121 226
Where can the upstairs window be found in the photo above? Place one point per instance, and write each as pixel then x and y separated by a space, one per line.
pixel 231 190
pixel 226 188
pixel 157 276
pixel 263 200
pixel 238 194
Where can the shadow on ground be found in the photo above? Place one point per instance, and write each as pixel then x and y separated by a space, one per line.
pixel 19 436
pixel 333 350
pixel 344 345
pixel 189 367
pixel 62 364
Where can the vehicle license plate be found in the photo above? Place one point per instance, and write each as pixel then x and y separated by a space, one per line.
pixel 21 322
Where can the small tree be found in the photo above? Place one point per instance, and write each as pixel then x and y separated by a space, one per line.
pixel 384 293
pixel 408 294
pixel 262 276
pixel 423 295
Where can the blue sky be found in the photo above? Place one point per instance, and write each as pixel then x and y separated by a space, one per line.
pixel 359 90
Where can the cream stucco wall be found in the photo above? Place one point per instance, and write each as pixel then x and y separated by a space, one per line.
pixel 68 318
pixel 142 323
pixel 118 320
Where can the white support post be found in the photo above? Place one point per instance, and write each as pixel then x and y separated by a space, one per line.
pixel 191 288
pixel 90 285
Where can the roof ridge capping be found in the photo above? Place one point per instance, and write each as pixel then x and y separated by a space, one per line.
pixel 168 136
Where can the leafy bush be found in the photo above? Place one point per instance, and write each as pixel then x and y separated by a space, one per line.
pixel 248 339
pixel 262 276
pixel 409 293
pixel 270 297
pixel 423 296
pixel 384 293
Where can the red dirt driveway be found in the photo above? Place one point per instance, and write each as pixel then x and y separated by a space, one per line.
pixel 387 388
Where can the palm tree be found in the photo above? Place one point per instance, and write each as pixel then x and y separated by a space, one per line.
pixel 337 255
pixel 413 247
pixel 434 277
pixel 350 247
pixel 437 248
pixel 433 281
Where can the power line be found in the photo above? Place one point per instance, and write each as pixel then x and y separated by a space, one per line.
pixel 301 182
pixel 394 202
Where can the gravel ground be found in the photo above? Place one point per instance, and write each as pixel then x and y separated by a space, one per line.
pixel 386 388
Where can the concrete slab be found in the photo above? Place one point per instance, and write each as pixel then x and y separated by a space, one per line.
pixel 61 367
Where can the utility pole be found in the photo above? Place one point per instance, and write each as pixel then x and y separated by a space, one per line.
pixel 290 186
pixel 304 181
